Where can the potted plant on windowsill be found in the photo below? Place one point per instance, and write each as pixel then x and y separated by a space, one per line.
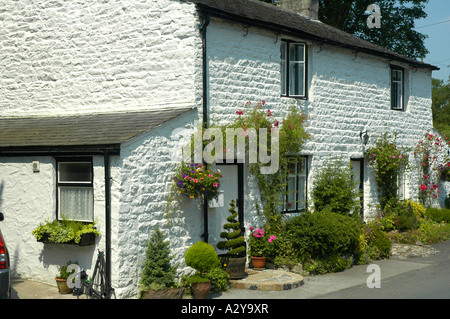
pixel 66 232
pixel 61 279
pixel 261 246
pixel 158 275
pixel 234 260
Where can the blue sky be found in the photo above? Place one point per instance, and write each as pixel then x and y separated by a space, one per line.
pixel 438 41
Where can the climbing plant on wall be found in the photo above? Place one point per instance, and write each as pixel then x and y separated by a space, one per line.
pixel 388 160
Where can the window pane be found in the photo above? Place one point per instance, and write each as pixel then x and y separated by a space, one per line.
pixel 301 192
pixel 296 73
pixel 283 68
pixel 297 52
pixel 397 89
pixel 76 203
pixel 75 172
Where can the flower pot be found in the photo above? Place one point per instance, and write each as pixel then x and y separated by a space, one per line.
pixel 258 262
pixel 201 289
pixel 62 286
pixel 165 293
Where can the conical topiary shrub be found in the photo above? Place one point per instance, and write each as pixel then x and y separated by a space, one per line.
pixel 234 243
pixel 158 275
pixel 234 261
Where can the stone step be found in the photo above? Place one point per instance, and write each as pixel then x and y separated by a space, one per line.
pixel 268 279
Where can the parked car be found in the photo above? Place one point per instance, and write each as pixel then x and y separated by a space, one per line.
pixel 5 274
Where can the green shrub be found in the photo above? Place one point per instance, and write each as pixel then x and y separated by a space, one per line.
pixel 219 278
pixel 157 271
pixel 402 216
pixel 327 265
pixel 438 215
pixel 432 232
pixel 335 189
pixel 235 242
pixel 202 257
pixel 320 235
pixel 375 242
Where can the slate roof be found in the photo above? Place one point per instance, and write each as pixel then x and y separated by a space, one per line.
pixel 82 129
pixel 269 16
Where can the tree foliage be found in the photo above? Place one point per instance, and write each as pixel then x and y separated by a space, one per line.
pixel 397 31
pixel 397 23
pixel 441 106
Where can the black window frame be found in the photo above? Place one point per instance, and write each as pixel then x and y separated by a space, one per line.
pixel 285 69
pixel 297 209
pixel 84 159
pixel 394 105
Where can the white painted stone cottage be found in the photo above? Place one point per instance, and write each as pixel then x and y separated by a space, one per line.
pixel 101 87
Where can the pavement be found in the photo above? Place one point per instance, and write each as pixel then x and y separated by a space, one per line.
pixel 264 284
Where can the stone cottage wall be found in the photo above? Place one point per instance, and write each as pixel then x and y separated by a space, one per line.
pixel 27 199
pixel 63 56
pixel 347 93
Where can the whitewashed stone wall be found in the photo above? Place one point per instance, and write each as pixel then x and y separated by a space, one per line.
pixel 147 166
pixel 27 199
pixel 347 93
pixel 61 56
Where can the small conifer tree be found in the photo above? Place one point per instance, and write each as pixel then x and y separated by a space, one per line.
pixel 157 271
pixel 234 243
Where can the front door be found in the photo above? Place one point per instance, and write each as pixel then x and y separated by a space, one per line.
pixel 230 189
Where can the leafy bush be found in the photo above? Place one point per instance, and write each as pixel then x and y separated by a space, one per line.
pixel 157 271
pixel 219 278
pixel 375 243
pixel 402 216
pixel 320 235
pixel 202 257
pixel 64 231
pixel 438 215
pixel 335 189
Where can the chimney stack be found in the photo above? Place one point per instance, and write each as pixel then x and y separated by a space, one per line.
pixel 308 8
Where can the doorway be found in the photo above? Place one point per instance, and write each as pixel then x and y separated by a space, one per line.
pixel 231 188
pixel 357 165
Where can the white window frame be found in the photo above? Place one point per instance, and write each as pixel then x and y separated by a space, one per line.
pixel 75 185
pixel 299 175
pixel 397 88
pixel 287 67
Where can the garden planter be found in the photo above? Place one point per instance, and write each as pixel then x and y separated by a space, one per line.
pixel 258 262
pixel 62 286
pixel 86 239
pixel 234 266
pixel 165 293
pixel 201 289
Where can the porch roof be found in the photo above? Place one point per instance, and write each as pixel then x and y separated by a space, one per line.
pixel 81 130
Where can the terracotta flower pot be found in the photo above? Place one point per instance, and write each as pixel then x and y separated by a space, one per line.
pixel 62 286
pixel 201 289
pixel 258 262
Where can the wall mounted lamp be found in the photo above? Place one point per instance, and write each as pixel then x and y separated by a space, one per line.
pixel 364 136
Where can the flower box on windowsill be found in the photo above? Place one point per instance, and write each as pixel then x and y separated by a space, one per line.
pixel 66 232
pixel 86 239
